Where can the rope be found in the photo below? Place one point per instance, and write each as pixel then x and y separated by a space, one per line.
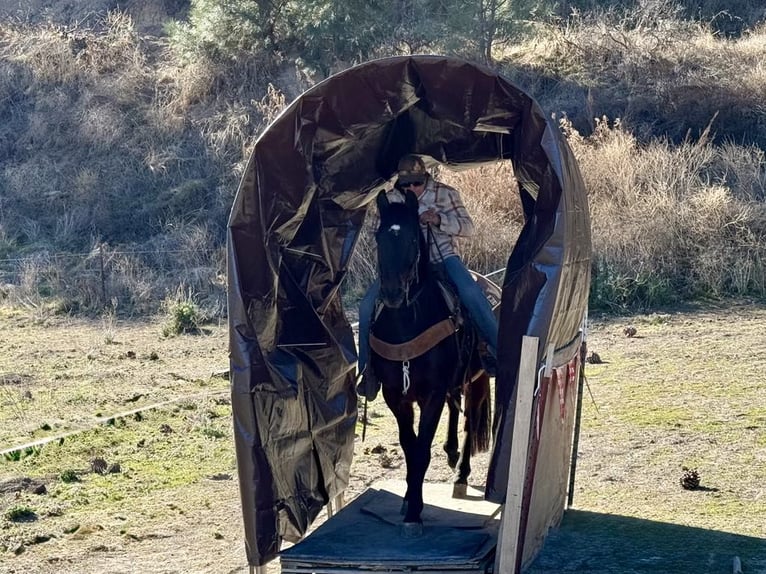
pixel 405 377
pixel 105 420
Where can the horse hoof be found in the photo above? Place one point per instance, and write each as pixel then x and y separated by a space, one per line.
pixel 412 529
pixel 459 490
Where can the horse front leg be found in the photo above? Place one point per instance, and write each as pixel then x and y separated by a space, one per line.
pixel 405 420
pixel 430 412
pixel 450 445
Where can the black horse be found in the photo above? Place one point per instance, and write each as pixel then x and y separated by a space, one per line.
pixel 420 355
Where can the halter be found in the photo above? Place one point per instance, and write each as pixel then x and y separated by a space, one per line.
pixel 412 277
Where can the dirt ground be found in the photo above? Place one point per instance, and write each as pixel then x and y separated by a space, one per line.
pixel 684 390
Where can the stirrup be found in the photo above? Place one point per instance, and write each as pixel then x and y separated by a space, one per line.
pixel 488 361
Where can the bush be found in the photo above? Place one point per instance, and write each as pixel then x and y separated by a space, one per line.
pixel 616 290
pixel 671 222
pixel 69 475
pixel 20 514
pixel 183 313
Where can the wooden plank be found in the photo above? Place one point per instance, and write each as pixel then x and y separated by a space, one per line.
pixel 576 432
pixel 365 535
pixel 506 557
pixel 335 505
pixel 313 569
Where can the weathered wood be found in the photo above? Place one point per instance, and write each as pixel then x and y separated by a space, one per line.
pixel 310 569
pixel 335 505
pixel 507 555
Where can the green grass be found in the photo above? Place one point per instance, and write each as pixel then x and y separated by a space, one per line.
pixel 20 514
pixel 154 466
pixel 685 391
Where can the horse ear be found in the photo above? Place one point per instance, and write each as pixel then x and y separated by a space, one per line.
pixel 382 201
pixel 411 200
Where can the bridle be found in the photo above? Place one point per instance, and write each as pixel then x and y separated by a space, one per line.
pixel 412 277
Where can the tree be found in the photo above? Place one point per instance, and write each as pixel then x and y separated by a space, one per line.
pixel 228 28
pixel 331 34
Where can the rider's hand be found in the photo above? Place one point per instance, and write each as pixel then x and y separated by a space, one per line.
pixel 430 217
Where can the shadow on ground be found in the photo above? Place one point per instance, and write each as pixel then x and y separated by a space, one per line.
pixel 607 544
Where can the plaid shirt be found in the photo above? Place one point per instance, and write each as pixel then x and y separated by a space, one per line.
pixel 455 220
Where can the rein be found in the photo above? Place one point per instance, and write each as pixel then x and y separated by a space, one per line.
pixel 414 278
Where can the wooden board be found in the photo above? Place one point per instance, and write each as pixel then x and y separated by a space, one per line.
pixel 459 536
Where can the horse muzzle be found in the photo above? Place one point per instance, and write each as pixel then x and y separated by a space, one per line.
pixel 392 298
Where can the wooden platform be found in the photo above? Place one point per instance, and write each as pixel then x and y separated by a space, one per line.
pixel 459 536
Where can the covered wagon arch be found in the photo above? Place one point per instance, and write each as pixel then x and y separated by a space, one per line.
pixel 296 218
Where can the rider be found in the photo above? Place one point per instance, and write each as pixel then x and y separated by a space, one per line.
pixel 442 210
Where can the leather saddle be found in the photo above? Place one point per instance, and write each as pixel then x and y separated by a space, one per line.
pixel 433 335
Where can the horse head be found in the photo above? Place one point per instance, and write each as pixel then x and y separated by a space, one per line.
pixel 402 255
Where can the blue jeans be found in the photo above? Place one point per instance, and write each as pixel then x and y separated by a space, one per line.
pixel 471 296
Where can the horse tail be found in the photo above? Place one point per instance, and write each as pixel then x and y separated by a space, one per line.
pixel 478 410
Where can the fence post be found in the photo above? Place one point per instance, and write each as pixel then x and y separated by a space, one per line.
pixel 103 274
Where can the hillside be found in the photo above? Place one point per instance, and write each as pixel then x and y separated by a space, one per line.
pixel 126 125
pixel 149 16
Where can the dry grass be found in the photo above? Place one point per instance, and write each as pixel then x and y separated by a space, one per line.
pixel 491 195
pixel 58 55
pixel 672 221
pixel 130 281
pixel 658 72
pixel 99 151
pixel 112 137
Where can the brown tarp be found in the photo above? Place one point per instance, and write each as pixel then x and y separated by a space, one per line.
pixel 293 227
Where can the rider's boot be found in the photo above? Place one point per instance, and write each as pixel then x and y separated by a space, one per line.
pixel 368 386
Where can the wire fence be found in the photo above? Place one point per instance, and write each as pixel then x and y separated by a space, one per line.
pixel 100 251
pixel 135 279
